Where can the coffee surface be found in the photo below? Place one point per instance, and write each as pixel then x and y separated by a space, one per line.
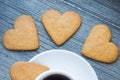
pixel 56 77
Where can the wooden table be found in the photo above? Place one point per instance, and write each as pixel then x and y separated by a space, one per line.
pixel 92 11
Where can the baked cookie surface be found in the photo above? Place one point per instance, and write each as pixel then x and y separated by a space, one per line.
pixel 59 26
pixel 98 47
pixel 26 70
pixel 24 35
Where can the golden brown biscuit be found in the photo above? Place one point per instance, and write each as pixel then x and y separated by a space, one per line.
pixel 98 47
pixel 59 26
pixel 26 70
pixel 24 35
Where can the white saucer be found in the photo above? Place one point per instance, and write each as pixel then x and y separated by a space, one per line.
pixel 66 61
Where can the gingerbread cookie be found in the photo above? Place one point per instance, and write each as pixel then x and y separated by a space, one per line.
pixel 59 26
pixel 98 47
pixel 26 70
pixel 24 35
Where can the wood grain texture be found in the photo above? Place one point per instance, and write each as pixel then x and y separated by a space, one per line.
pixel 92 12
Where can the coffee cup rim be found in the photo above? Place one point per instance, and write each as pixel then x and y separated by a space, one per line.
pixel 51 72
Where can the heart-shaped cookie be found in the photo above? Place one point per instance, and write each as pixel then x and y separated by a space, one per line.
pixel 59 26
pixel 98 47
pixel 26 70
pixel 24 35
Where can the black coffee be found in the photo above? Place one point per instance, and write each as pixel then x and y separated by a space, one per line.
pixel 56 77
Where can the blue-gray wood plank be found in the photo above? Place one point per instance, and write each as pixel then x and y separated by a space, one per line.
pixel 92 12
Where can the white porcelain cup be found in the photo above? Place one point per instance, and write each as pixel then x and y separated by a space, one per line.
pixel 53 72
